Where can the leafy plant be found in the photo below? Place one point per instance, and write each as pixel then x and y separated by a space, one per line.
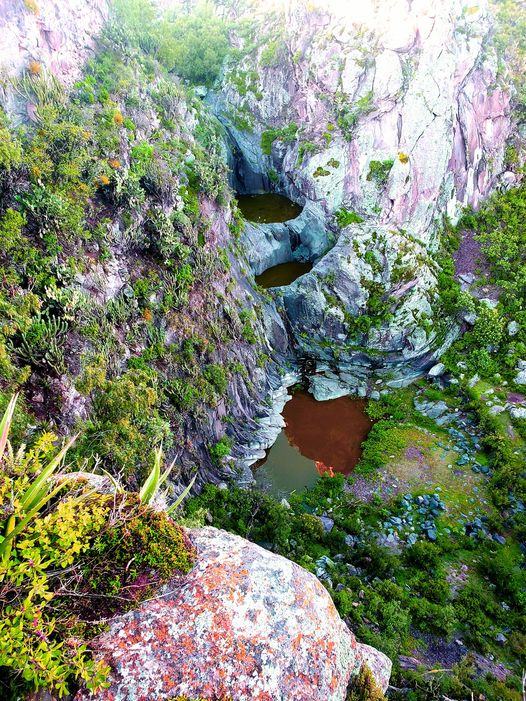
pixel 42 344
pixel 285 134
pixel 220 449
pixel 27 503
pixel 364 687
pixel 345 217
pixel 27 641
pixel 379 171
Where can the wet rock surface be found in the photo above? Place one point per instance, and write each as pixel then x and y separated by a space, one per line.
pixel 244 624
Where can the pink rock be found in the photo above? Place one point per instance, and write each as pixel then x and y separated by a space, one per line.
pixel 244 624
pixel 32 111
pixel 54 39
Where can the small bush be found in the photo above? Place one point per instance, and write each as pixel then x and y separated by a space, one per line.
pixel 365 688
pixel 220 450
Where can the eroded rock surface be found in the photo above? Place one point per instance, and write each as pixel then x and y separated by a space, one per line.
pixel 56 35
pixel 243 624
pixel 400 119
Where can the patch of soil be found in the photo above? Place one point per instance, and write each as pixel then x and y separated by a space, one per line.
pixel 470 260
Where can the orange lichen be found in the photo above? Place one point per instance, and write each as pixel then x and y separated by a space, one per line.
pixel 403 157
pixel 147 315
pixel 202 642
pixel 34 68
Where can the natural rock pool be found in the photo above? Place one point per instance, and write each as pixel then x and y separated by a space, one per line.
pixel 282 274
pixel 318 437
pixel 268 208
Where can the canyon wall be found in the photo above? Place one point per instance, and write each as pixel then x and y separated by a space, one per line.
pixel 395 111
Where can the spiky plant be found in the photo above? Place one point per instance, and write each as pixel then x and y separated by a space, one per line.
pixel 28 500
pixel 157 478
pixel 42 344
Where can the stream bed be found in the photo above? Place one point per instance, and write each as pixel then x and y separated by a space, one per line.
pixel 318 437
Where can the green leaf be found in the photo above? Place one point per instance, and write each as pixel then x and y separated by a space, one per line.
pixel 177 503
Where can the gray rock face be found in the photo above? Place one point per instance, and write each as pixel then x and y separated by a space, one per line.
pixel 304 238
pixel 437 370
pixel 419 100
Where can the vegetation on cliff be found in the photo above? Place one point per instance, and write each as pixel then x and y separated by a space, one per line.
pixel 74 550
pixel 124 319
pixel 121 309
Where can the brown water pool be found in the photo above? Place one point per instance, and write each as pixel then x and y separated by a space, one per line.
pixel 268 208
pixel 318 437
pixel 282 274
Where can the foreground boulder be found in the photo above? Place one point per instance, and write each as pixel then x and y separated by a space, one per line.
pixel 243 624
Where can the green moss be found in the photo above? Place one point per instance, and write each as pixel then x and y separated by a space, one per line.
pixel 285 134
pixel 321 172
pixel 220 449
pixel 364 687
pixel 349 115
pixel 144 543
pixel 379 171
pixel 345 217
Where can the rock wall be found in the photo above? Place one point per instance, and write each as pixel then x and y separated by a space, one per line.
pixel 243 624
pixel 401 119
pixel 58 35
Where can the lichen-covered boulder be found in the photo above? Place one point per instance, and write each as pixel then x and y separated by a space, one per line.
pixel 244 624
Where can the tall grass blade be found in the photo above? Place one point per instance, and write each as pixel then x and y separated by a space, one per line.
pixel 38 487
pixel 177 503
pixel 151 485
pixel 5 424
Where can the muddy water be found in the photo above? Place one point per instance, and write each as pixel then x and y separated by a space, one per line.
pixel 318 437
pixel 268 208
pixel 282 274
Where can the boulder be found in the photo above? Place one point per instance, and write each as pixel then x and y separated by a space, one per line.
pixel 243 624
pixel 518 412
pixel 437 370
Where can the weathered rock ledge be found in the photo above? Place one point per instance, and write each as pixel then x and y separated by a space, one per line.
pixel 245 624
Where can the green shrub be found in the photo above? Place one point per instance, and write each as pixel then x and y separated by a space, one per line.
pixel 219 450
pixel 41 345
pixel 144 549
pixel 285 134
pixel 195 46
pixel 10 151
pixel 379 171
pixel 489 327
pixel 125 423
pixel 364 687
pixel 345 217
pixel 349 115
pixel 11 225
pixel 217 376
